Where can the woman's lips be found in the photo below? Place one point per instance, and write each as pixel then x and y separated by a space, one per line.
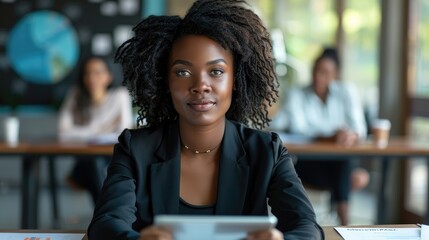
pixel 201 105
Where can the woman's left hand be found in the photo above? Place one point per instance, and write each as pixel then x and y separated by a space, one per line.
pixel 346 138
pixel 271 234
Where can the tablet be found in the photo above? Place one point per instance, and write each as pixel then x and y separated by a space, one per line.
pixel 188 227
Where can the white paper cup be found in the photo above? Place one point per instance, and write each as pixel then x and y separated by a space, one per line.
pixel 381 132
pixel 11 130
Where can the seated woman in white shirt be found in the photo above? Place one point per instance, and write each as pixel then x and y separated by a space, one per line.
pixel 93 112
pixel 327 110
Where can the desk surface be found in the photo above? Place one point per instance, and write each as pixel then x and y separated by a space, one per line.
pixel 330 233
pixel 396 147
pixel 54 148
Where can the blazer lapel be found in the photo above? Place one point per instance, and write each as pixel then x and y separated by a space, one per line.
pixel 165 174
pixel 233 174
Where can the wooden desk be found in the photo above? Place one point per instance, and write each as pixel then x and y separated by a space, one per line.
pixel 55 148
pixel 331 234
pixel 329 231
pixel 31 154
pixel 398 148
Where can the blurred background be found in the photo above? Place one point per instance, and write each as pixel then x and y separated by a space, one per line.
pixel 383 44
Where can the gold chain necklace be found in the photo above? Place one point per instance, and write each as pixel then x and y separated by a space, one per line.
pixel 198 152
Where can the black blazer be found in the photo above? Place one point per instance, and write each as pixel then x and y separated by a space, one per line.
pixel 144 177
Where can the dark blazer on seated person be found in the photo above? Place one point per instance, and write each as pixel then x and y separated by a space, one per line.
pixel 144 178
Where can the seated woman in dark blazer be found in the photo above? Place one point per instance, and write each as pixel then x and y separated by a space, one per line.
pixel 201 83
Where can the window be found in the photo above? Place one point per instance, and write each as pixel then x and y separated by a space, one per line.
pixel 309 25
pixel 306 26
pixel 421 52
pixel 418 90
pixel 361 24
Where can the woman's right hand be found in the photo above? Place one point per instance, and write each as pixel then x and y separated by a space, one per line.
pixel 155 232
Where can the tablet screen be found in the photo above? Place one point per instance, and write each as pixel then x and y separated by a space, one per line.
pixel 185 227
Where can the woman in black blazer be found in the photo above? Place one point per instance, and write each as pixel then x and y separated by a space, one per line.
pixel 201 83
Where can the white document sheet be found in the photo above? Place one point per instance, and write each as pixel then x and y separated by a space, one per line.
pixel 383 233
pixel 41 236
pixel 425 232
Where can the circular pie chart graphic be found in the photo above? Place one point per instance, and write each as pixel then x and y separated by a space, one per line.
pixel 43 47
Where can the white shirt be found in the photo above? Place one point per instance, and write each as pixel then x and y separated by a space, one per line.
pixel 304 113
pixel 107 119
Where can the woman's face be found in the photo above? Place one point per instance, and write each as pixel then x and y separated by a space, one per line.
pixel 97 76
pixel 200 79
pixel 324 72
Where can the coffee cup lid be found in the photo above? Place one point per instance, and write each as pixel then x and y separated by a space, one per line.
pixel 381 123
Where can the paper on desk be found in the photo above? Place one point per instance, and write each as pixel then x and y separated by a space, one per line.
pixel 383 233
pixel 41 236
pixel 425 232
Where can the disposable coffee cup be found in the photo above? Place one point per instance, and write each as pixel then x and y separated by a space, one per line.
pixel 381 132
pixel 11 130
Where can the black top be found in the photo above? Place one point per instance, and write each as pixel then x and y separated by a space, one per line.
pixel 143 180
pixel 186 208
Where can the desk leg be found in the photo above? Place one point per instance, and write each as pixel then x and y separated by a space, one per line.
pixel 53 189
pixel 30 192
pixel 382 205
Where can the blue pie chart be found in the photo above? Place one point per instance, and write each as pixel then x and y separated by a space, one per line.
pixel 43 47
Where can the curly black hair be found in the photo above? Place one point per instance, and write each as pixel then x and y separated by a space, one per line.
pixel 144 60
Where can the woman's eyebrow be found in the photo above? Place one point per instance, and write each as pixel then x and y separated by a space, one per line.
pixel 187 63
pixel 183 62
pixel 216 61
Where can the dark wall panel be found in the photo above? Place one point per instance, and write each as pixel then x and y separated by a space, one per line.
pixel 88 18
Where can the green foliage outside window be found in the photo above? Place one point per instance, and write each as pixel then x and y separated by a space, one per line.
pixel 422 51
